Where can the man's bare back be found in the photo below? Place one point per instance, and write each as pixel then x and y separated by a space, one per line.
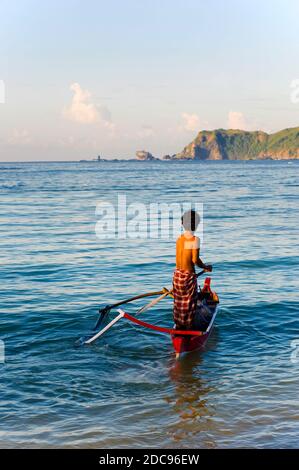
pixel 187 253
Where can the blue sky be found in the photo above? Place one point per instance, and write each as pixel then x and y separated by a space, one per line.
pixel 90 77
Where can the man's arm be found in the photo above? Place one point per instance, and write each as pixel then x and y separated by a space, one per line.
pixel 198 262
pixel 196 259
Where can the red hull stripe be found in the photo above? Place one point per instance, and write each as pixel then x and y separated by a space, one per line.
pixel 169 331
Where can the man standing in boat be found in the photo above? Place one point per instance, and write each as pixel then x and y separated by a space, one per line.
pixel 187 313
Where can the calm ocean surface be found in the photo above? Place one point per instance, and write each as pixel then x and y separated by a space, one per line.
pixel 127 389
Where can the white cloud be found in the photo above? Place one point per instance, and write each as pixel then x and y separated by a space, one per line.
pixel 19 137
pixel 191 122
pixel 236 120
pixel 146 132
pixel 295 93
pixel 83 110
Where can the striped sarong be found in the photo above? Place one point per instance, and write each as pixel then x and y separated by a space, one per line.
pixel 185 298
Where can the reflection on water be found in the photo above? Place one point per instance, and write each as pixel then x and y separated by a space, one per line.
pixel 191 401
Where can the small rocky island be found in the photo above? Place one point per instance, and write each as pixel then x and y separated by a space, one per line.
pixel 143 155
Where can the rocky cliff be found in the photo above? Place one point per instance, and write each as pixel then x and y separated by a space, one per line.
pixel 231 144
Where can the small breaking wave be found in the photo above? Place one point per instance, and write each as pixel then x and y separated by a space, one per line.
pixel 11 185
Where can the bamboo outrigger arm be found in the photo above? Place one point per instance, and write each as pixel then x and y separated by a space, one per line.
pixel 105 310
pixel 162 293
pixel 122 314
pixel 170 331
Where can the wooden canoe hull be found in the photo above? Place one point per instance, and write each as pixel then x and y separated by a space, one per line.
pixel 186 344
pixel 183 344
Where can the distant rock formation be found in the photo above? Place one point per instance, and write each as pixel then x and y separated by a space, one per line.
pixel 144 155
pixel 168 157
pixel 232 144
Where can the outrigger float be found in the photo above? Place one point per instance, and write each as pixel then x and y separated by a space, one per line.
pixel 184 341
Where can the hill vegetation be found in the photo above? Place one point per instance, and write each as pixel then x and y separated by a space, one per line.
pixel 232 144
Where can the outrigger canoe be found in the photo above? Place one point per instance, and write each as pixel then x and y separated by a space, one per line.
pixel 183 344
pixel 184 341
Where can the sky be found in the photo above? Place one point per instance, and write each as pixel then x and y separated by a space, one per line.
pixel 85 78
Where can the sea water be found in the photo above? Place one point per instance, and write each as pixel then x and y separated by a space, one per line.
pixel 127 389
